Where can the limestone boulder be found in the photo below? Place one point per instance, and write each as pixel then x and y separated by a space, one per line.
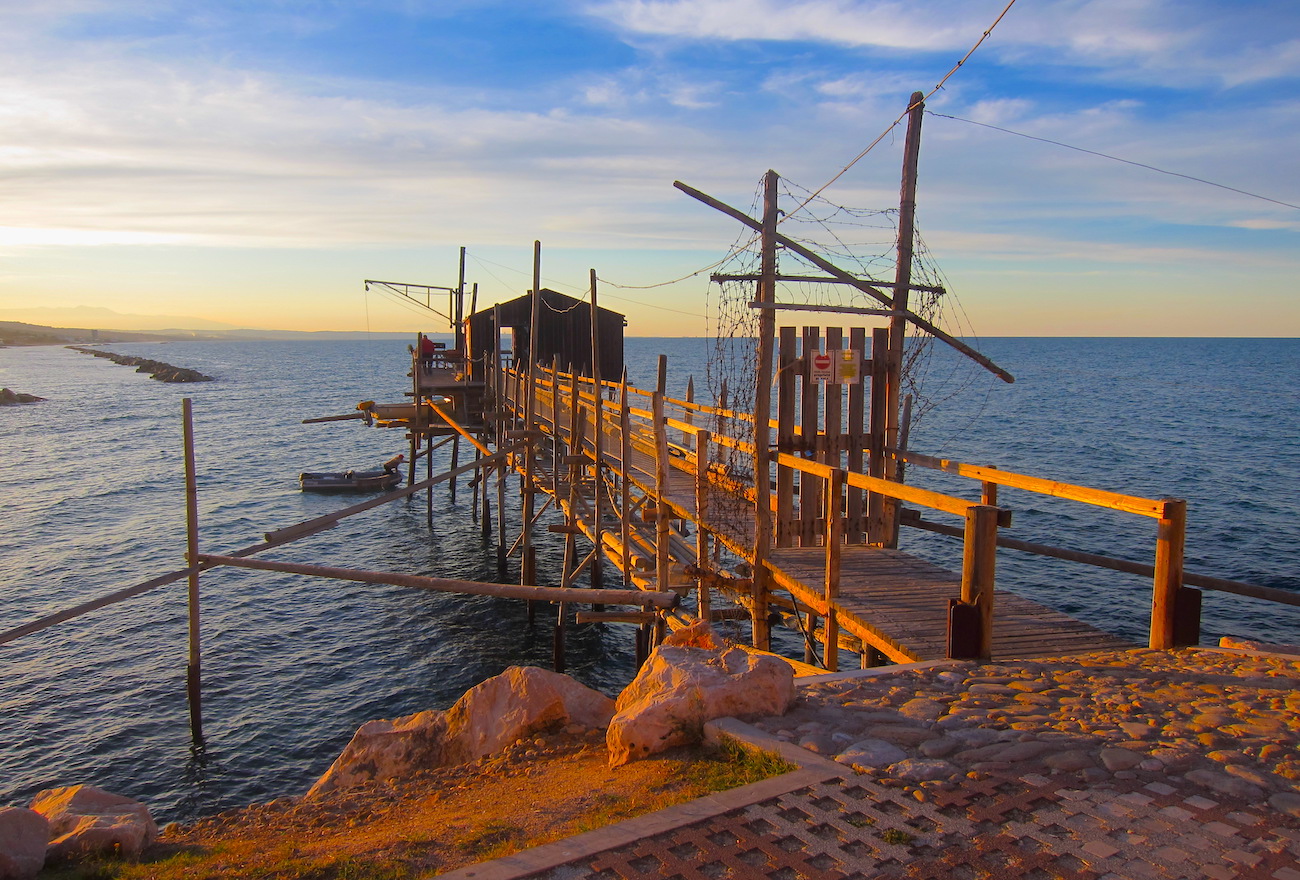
pixel 85 820
pixel 681 687
pixel 24 835
pixel 387 748
pixel 519 702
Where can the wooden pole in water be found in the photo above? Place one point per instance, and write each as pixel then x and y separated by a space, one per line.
pixel 663 561
pixel 625 484
pixel 192 672
pixel 527 558
pixel 598 465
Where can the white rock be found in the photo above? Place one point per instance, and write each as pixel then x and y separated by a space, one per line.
pixel 385 748
pixel 490 716
pixel 870 753
pixel 680 688
pixel 85 820
pixel 517 703
pixel 1225 784
pixel 1120 759
pixel 923 769
pixel 1286 802
pixel 24 834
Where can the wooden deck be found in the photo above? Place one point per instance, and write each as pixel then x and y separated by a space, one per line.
pixel 898 604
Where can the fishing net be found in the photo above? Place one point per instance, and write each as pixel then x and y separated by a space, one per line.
pixel 861 242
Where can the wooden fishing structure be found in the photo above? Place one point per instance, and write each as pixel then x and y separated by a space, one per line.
pixel 787 512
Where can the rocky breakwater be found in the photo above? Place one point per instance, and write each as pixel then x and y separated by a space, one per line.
pixel 1227 722
pixel 156 369
pixel 13 398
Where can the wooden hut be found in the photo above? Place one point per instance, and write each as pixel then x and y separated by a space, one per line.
pixel 563 333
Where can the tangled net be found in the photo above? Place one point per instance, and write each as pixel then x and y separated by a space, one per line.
pixel 861 242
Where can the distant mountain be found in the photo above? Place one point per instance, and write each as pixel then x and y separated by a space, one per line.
pixel 106 321
pixel 19 333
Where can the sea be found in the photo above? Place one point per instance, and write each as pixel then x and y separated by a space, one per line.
pixel 92 482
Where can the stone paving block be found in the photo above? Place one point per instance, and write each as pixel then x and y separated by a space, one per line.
pixel 998 826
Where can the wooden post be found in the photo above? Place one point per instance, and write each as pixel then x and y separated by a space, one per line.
pixel 534 320
pixel 902 287
pixel 979 558
pixel 763 415
pixel 663 561
pixel 455 462
pixel 702 599
pixel 876 503
pixel 855 527
pixel 834 539
pixel 598 439
pixel 193 677
pixel 787 363
pixel 1170 538
pixel 810 495
pixel 688 434
pixel 428 464
pixel 625 484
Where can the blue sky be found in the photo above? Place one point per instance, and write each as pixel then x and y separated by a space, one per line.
pixel 251 163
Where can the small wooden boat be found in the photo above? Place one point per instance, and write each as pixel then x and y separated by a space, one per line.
pixel 354 481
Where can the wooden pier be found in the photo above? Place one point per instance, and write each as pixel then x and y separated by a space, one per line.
pixel 677 512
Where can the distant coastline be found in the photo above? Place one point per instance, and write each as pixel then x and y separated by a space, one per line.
pixel 17 333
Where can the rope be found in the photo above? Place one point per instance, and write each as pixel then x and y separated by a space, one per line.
pixel 904 114
pixel 1118 159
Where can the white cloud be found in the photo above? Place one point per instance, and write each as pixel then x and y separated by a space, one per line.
pixel 839 22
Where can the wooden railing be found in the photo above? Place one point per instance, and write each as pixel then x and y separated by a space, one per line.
pixel 650 435
pixel 1175 606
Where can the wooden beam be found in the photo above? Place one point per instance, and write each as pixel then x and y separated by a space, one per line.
pixel 813 307
pixel 447 585
pixel 822 263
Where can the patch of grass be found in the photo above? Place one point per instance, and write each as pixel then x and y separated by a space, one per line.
pixel 493 839
pixel 731 765
pixel 897 837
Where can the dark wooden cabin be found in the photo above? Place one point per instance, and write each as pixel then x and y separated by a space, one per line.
pixel 563 334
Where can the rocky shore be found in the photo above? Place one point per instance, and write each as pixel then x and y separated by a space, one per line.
pixel 1160 737
pixel 156 369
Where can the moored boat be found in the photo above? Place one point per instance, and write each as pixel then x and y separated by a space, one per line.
pixel 354 481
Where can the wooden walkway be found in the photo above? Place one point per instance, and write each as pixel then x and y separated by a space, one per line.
pixel 888 601
pixel 898 604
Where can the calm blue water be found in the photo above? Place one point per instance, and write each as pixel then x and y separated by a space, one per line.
pixel 92 482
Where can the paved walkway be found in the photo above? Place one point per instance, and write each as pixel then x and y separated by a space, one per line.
pixel 1055 797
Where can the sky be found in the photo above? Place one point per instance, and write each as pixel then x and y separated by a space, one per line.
pixel 252 163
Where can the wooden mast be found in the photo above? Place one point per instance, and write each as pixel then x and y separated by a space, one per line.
pixel 902 286
pixel 763 413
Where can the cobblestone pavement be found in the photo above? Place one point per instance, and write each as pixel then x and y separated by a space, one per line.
pixel 995 827
pixel 1084 819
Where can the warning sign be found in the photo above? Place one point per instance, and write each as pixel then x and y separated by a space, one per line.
pixel 823 367
pixel 838 366
pixel 847 366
